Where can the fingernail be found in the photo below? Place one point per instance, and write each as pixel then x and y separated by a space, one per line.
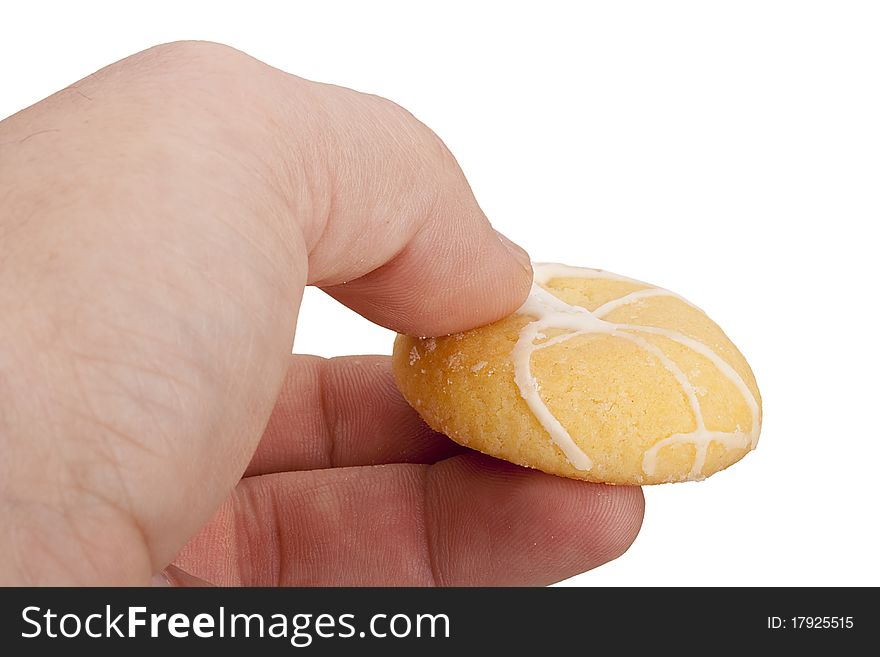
pixel 160 580
pixel 517 252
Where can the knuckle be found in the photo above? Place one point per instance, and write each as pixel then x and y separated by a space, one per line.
pixel 192 57
pixel 191 75
pixel 389 127
pixel 426 141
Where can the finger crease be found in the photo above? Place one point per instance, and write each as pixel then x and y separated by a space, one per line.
pixel 327 415
pixel 393 258
pixel 426 532
pixel 284 558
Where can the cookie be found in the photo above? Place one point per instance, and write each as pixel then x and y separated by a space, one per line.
pixel 596 377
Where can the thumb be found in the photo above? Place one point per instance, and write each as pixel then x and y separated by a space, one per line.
pixel 401 239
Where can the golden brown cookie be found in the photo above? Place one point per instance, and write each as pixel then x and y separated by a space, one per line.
pixel 595 377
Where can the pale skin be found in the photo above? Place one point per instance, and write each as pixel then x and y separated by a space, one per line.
pixel 158 222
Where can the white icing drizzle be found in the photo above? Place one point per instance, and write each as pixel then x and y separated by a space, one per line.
pixel 632 297
pixel 551 312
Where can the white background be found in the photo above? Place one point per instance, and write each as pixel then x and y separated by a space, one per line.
pixel 728 151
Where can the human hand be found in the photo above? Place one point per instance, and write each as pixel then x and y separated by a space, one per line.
pixel 158 221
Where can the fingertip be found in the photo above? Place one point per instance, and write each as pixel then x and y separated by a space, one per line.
pixel 617 518
pixel 518 253
pixel 590 523
pixel 539 528
pixel 446 280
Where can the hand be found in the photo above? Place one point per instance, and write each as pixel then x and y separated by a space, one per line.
pixel 158 221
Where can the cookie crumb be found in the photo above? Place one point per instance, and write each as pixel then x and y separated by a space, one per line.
pixel 454 361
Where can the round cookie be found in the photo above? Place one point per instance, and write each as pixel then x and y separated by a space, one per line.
pixel 596 377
